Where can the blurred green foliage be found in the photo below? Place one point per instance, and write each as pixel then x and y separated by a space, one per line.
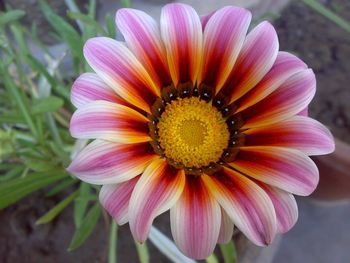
pixel 35 109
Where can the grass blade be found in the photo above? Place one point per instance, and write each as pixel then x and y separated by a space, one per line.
pixel 11 173
pixel 57 209
pixel 126 3
pixel 112 248
pixel 16 189
pixel 18 98
pixel 73 7
pixel 86 228
pixel 10 16
pixel 61 186
pixel 142 251
pixel 48 104
pixel 66 31
pixel 81 203
pixel 212 259
pixel 86 19
pixel 229 252
pixel 111 28
pixel 341 22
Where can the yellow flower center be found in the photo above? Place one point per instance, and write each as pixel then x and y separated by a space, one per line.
pixel 192 132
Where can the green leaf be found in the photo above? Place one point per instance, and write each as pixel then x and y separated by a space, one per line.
pixel 92 8
pixel 15 189
pixel 111 29
pixel 72 5
pixel 54 130
pixel 142 251
pixel 18 99
pixel 48 104
pixel 56 210
pixel 125 3
pixel 36 65
pixel 86 19
pixel 86 228
pixel 11 118
pixel 81 203
pixel 64 29
pixel 61 186
pixel 341 22
pixel 22 43
pixel 10 16
pixel 11 173
pixel 229 252
pixel 112 248
pixel 212 259
pixel 38 165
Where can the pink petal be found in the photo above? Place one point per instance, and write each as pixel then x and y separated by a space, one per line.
pixel 109 121
pixel 204 19
pixel 256 58
pixel 285 66
pixel 287 169
pixel 224 35
pixel 158 189
pixel 90 87
pixel 226 228
pixel 304 112
pixel 142 36
pixel 289 99
pixel 298 132
pixel 118 67
pixel 248 206
pixel 195 220
pixel 115 199
pixel 181 32
pixel 285 206
pixel 103 162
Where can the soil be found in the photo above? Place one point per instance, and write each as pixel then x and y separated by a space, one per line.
pixel 326 49
pixel 321 44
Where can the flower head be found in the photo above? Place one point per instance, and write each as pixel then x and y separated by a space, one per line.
pixel 200 117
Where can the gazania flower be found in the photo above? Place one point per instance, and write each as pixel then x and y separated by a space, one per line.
pixel 200 117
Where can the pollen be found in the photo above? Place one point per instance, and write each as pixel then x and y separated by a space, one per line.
pixel 192 132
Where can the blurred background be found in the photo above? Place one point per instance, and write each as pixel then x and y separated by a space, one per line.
pixel 40 55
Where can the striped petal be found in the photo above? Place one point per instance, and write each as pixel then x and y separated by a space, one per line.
pixel 181 32
pixel 285 206
pixel 302 133
pixel 89 87
pixel 195 220
pixel 284 168
pixel 158 189
pixel 248 206
pixel 224 35
pixel 304 112
pixel 115 199
pixel 109 121
pixel 205 18
pixel 119 68
pixel 142 35
pixel 289 99
pixel 226 228
pixel 258 54
pixel 285 66
pixel 103 162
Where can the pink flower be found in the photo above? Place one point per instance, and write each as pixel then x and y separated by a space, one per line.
pixel 201 118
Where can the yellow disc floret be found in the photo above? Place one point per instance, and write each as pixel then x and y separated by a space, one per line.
pixel 192 132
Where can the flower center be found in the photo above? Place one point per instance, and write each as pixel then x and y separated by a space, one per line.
pixel 192 132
